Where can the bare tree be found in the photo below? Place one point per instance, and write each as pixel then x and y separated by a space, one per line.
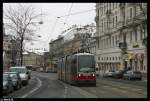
pixel 22 21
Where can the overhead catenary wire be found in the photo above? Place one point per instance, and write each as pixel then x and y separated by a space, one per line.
pixel 65 22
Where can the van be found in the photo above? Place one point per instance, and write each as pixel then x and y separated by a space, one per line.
pixel 23 72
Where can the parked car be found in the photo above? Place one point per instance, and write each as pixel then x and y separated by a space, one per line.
pixel 23 72
pixel 109 73
pixel 132 75
pixel 119 74
pixel 17 84
pixel 7 84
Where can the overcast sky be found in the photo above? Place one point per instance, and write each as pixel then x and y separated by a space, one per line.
pixel 52 27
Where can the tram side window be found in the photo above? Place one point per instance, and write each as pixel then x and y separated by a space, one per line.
pixel 74 65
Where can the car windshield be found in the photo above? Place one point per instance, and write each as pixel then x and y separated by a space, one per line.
pixel 13 76
pixel 19 70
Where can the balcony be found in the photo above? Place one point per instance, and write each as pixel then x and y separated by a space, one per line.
pixel 138 19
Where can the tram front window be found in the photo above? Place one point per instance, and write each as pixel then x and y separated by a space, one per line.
pixel 86 63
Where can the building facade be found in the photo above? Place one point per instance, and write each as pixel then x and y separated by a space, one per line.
pixel 56 51
pixel 31 58
pixel 117 23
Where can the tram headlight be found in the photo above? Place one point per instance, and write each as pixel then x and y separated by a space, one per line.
pixel 93 74
pixel 79 74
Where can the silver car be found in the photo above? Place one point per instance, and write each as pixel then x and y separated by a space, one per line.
pixel 130 75
pixel 7 84
pixel 16 79
pixel 23 72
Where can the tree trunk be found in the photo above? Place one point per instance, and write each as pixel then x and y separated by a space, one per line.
pixel 21 55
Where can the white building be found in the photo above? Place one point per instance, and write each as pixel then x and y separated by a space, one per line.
pixel 114 26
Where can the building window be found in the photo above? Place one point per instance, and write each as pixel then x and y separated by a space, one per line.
pixel 102 10
pixel 116 21
pixel 141 34
pixel 102 26
pixel 112 6
pixel 116 58
pixel 112 58
pixel 135 31
pixel 116 5
pixel 116 40
pixel 101 43
pixel 130 36
pixel 113 22
pixel 98 43
pixel 130 12
pixel 113 40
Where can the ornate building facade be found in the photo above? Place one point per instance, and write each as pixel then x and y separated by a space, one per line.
pixel 118 23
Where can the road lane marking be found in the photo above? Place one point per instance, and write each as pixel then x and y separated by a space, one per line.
pixel 36 88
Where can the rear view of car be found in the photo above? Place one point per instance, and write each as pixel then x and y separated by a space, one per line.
pixel 119 74
pixel 23 72
pixel 16 79
pixel 7 84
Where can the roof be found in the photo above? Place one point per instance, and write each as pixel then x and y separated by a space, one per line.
pixel 19 67
pixel 84 54
pixel 11 72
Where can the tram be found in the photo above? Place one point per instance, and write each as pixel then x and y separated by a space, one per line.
pixel 77 69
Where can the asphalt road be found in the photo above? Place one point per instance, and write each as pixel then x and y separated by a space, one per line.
pixel 46 85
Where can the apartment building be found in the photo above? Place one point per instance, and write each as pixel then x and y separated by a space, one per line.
pixel 121 23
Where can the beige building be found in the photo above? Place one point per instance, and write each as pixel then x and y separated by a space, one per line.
pixel 31 58
pixel 117 23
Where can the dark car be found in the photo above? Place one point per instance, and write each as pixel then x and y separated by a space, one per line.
pixel 130 75
pixel 7 84
pixel 16 79
pixel 119 74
